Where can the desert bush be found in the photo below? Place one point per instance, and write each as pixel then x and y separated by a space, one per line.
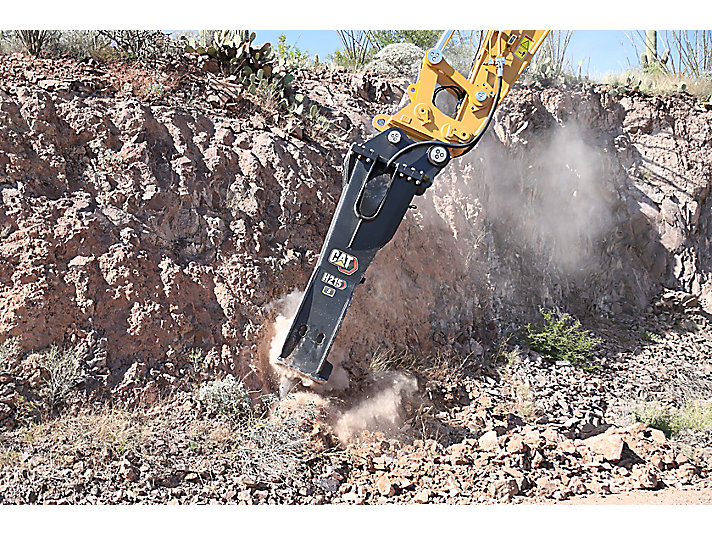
pixel 144 45
pixel 357 48
pixel 226 399
pixel 62 371
pixel 36 41
pixel 400 59
pixel 275 445
pixel 197 359
pixel 80 44
pixel 692 416
pixel 290 56
pixel 385 360
pixel 562 338
pixel 423 39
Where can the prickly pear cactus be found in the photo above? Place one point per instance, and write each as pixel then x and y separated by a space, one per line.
pixel 256 68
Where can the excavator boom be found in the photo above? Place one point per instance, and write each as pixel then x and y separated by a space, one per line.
pixel 382 175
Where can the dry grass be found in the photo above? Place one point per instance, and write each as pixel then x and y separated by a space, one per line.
pixel 661 83
pixel 441 366
pixel 384 360
pixel 525 403
pixel 693 416
pixel 116 430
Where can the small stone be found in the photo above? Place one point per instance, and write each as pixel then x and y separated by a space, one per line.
pixel 504 489
pixel 657 462
pixel 681 459
pixel 516 445
pixel 686 473
pixel 610 446
pixel 636 428
pixel 488 441
pixel 658 435
pixel 405 484
pixel 547 487
pixel 380 463
pixel 246 480
pixel 551 436
pixel 576 486
pixel 128 471
pixel 384 486
pixel 644 478
pixel 351 497
pixel 422 497
pixel 327 484
pixel 567 446
pixel 458 454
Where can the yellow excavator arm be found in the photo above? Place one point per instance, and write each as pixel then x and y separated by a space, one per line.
pixel 507 52
pixel 383 174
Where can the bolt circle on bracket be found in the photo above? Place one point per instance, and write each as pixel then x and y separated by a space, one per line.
pixel 438 155
pixel 434 56
pixel 394 136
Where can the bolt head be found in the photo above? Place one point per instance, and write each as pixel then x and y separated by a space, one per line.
pixel 394 136
pixel 438 155
pixel 434 56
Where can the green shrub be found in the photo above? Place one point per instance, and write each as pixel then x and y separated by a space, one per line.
pixel 400 59
pixel 651 337
pixel 290 56
pixel 80 44
pixel 144 45
pixel 197 359
pixel 226 399
pixel 562 338
pixel 62 371
pixel 693 416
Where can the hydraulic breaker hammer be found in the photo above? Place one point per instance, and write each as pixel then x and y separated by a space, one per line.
pixel 382 175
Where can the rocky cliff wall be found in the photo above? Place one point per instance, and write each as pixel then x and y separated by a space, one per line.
pixel 141 230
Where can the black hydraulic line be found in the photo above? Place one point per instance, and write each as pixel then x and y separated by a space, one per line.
pixel 467 146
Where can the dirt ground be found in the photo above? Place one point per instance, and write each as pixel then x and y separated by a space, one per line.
pixel 665 496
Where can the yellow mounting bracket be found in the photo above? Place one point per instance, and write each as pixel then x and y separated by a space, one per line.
pixel 423 121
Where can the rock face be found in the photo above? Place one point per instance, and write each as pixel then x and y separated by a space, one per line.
pixel 141 231
pixel 574 203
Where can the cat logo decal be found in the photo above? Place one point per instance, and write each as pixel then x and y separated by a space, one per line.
pixel 346 263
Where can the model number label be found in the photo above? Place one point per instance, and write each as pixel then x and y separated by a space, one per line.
pixel 346 263
pixel 333 281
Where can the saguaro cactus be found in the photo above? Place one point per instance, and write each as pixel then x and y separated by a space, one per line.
pixel 651 45
pixel 649 59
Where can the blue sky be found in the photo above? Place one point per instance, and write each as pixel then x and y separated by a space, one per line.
pixel 602 51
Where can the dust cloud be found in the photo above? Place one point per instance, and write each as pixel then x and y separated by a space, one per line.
pixel 379 411
pixel 286 309
pixel 551 201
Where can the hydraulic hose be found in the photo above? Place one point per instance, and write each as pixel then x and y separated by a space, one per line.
pixel 472 142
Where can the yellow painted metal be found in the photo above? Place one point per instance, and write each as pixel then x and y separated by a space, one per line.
pixel 423 121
